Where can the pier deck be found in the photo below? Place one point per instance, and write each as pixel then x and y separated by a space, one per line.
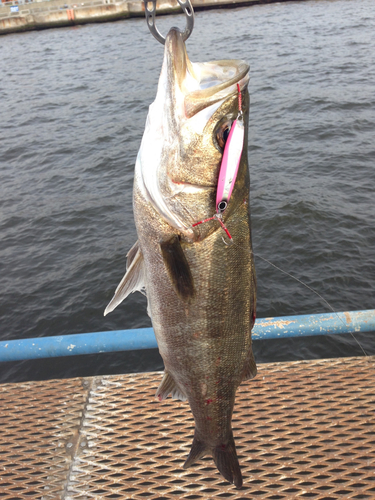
pixel 303 429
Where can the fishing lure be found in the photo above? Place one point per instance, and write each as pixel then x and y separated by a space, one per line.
pixel 231 160
pixel 229 166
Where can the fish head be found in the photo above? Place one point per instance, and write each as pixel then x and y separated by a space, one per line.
pixel 182 147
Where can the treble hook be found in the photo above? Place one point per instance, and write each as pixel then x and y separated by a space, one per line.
pixel 150 19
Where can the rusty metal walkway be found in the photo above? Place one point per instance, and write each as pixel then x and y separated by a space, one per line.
pixel 303 430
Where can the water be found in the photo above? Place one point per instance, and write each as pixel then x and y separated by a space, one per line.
pixel 73 108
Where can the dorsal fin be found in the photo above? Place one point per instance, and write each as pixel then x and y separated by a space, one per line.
pixel 178 268
pixel 133 281
pixel 250 367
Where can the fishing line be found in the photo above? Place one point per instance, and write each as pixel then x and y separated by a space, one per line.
pixel 302 283
pixel 231 242
pixel 317 293
pixel 227 177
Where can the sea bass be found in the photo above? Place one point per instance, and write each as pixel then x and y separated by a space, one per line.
pixel 199 278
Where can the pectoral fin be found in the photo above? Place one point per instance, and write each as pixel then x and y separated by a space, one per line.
pixel 178 268
pixel 133 281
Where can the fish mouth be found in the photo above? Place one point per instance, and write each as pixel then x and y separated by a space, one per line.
pixel 202 84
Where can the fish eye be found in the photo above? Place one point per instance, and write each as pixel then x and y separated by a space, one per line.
pixel 222 133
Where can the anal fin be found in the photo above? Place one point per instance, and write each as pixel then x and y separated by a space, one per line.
pixel 168 386
pixel 133 281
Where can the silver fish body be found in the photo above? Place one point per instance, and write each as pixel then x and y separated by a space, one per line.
pixel 201 287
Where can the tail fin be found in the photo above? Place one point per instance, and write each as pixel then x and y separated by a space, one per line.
pixel 225 458
pixel 198 450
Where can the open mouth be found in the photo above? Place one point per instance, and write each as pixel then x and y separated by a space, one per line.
pixel 202 84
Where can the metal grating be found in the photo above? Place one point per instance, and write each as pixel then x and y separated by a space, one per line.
pixel 39 424
pixel 303 430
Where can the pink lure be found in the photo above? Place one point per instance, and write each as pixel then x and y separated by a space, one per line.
pixel 229 164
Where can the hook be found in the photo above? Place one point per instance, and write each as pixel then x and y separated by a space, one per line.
pixel 150 19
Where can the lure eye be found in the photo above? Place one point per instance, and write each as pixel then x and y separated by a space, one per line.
pixel 221 206
pixel 223 133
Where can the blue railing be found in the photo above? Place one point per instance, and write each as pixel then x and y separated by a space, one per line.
pixel 144 338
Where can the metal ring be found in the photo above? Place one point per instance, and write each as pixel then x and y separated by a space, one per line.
pixel 150 19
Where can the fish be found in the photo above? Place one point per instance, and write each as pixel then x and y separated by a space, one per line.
pixel 194 263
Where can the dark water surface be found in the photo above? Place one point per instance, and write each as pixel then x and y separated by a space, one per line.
pixel 73 107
